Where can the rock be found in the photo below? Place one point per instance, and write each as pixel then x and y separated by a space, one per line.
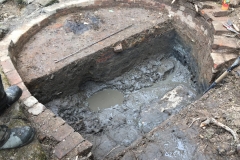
pixel 46 2
pixel 118 48
pixel 178 97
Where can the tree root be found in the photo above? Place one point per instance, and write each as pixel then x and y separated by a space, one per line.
pixel 214 121
pixel 194 120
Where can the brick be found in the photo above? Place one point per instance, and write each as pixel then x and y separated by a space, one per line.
pixel 62 132
pixel 118 48
pixel 7 65
pixel 219 28
pixel 221 42
pixel 13 77
pixel 46 114
pixel 83 149
pixel 51 124
pixel 209 13
pixel 30 101
pixel 219 59
pixel 220 13
pixel 67 145
pixel 25 95
pixel 37 109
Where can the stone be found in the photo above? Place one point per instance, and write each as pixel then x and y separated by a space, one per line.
pixel 30 101
pixel 37 109
pixel 118 48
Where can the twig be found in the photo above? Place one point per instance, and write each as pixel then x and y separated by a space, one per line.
pixel 56 61
pixel 195 119
pixel 214 121
pixel 111 151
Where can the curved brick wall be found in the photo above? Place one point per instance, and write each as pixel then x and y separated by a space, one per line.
pixel 193 28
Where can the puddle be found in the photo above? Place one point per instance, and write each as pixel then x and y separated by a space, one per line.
pixel 105 99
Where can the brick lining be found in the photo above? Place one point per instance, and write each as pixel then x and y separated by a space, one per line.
pixel 62 132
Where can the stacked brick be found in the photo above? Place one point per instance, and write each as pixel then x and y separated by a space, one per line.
pixel 70 143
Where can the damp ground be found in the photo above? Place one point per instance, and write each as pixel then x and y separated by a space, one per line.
pixel 144 97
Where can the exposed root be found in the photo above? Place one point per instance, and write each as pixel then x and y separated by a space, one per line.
pixel 214 121
pixel 195 119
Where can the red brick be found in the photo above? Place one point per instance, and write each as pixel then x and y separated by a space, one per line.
pixel 221 13
pixel 51 124
pixel 219 59
pixel 67 145
pixel 47 114
pixel 25 95
pixel 209 13
pixel 81 150
pixel 219 28
pixel 7 65
pixel 221 42
pixel 13 77
pixel 84 148
pixel 62 132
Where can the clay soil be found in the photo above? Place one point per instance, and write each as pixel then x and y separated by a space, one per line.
pixel 209 142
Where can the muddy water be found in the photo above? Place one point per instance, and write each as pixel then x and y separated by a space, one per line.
pixel 105 99
pixel 153 90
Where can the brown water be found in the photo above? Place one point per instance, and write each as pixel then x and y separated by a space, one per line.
pixel 105 99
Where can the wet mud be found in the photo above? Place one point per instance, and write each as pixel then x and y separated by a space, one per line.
pixel 105 99
pixel 153 90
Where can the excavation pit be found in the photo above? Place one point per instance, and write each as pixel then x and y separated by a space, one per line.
pixel 158 71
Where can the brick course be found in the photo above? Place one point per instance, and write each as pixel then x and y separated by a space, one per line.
pixel 70 141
